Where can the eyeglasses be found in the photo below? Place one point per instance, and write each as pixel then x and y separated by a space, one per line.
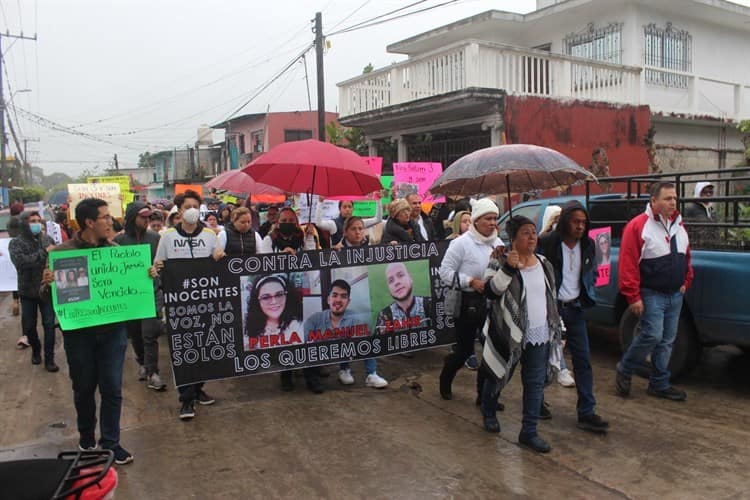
pixel 268 298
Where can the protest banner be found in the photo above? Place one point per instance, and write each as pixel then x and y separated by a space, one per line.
pixel 376 164
pixel 421 174
pixel 330 208
pixel 181 188
pixel 122 180
pixel 267 313
pixel 368 208
pixel 107 192
pixel 602 243
pixel 53 231
pixel 8 276
pixel 98 286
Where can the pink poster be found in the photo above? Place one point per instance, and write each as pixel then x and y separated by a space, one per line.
pixel 421 174
pixel 376 164
pixel 602 242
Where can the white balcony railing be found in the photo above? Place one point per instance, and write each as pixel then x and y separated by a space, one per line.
pixel 516 70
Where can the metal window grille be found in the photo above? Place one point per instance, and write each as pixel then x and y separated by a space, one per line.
pixel 600 44
pixel 669 48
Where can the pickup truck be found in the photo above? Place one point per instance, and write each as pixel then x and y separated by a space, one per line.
pixel 716 310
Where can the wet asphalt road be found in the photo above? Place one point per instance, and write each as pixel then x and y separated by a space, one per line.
pixel 401 442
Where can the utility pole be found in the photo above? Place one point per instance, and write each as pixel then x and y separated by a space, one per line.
pixel 117 164
pixel 3 140
pixel 319 41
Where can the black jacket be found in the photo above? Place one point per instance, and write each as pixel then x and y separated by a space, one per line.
pixel 131 236
pixel 550 246
pixel 28 253
pixel 393 231
pixel 239 244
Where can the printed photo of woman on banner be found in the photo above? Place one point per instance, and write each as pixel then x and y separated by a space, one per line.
pixel 274 311
pixel 603 241
pixel 408 304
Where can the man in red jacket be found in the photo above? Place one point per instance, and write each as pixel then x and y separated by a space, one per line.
pixel 654 273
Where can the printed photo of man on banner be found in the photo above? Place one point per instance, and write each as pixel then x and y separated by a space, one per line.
pixel 275 312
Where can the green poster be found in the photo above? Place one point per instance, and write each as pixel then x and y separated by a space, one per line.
pixel 368 208
pixel 97 286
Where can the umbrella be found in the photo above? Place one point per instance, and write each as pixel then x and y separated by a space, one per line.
pixel 317 167
pixel 240 182
pixel 58 197
pixel 511 168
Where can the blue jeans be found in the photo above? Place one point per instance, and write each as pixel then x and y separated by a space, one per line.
pixel 534 361
pixel 29 308
pixel 578 345
pixel 371 366
pixel 96 360
pixel 661 315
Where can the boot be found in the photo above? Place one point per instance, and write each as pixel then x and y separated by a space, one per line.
pixel 49 364
pixel 36 357
pixel 446 380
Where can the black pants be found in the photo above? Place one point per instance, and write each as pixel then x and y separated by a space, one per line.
pixel 312 376
pixel 473 315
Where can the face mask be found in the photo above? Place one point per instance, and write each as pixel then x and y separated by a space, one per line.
pixel 36 227
pixel 287 228
pixel 191 215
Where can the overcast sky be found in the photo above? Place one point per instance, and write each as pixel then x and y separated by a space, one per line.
pixel 145 74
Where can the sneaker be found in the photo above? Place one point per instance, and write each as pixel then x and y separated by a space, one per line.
pixel 142 372
pixel 87 443
pixel 545 412
pixel 535 443
pixel 156 383
pixel 376 381
pixel 671 393
pixel 122 456
pixel 622 384
pixel 187 411
pixel 36 358
pixel 565 379
pixel 472 363
pixel 315 386
pixel 50 366
pixel 23 342
pixel 204 398
pixel 345 377
pixel 593 423
pixel 491 424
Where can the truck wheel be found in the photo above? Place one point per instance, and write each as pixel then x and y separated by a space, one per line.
pixel 685 351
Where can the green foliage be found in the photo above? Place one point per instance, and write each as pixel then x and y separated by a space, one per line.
pixel 27 194
pixel 347 137
pixel 744 128
pixel 145 160
pixel 367 69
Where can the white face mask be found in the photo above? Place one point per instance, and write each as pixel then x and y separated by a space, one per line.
pixel 191 215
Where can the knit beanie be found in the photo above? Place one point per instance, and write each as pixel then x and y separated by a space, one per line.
pixel 396 206
pixel 483 207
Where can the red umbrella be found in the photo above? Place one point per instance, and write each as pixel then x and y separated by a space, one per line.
pixel 240 182
pixel 312 166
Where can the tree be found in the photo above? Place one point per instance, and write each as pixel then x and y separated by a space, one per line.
pixel 145 160
pixel 367 69
pixel 347 137
pixel 744 127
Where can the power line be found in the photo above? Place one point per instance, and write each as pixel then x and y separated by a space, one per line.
pixel 350 15
pixel 344 30
pixel 374 21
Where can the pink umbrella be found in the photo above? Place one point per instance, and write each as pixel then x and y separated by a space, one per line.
pixel 312 166
pixel 240 182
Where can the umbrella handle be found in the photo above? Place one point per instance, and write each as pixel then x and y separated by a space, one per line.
pixel 510 205
pixel 309 196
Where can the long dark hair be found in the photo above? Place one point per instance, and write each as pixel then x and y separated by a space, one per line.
pixel 292 307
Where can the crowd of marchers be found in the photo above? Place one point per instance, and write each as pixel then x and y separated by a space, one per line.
pixel 521 300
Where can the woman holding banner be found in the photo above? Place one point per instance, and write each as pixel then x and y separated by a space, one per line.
pixel 400 228
pixel 466 260
pixel 238 239
pixel 355 234
pixel 335 227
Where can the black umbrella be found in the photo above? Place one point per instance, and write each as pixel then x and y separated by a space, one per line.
pixel 511 168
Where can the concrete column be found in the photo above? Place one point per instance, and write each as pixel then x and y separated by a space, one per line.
pixel 372 150
pixel 401 147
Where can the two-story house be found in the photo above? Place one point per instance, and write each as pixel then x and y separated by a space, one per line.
pixel 654 84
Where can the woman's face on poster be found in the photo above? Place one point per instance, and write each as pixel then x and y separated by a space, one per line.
pixel 272 298
pixel 604 245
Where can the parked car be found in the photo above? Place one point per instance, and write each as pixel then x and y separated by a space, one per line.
pixel 713 312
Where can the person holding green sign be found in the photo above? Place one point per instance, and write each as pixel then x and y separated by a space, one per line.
pixel 95 354
pixel 335 227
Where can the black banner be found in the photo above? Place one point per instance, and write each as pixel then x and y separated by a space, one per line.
pixel 273 312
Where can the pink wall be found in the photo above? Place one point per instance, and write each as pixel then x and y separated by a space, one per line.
pixel 277 123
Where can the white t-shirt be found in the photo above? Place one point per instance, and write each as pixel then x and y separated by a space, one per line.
pixel 570 288
pixel 536 304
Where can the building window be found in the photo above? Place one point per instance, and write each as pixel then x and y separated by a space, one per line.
pixel 241 141
pixel 668 48
pixel 297 135
pixel 256 140
pixel 601 44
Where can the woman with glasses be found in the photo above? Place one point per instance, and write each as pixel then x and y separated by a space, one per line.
pixel 274 313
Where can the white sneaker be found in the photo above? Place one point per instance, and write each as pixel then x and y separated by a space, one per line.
pixel 156 383
pixel 565 379
pixel 376 381
pixel 142 372
pixel 345 377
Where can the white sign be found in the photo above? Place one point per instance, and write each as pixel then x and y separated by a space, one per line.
pixel 330 208
pixel 54 232
pixel 8 276
pixel 107 192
